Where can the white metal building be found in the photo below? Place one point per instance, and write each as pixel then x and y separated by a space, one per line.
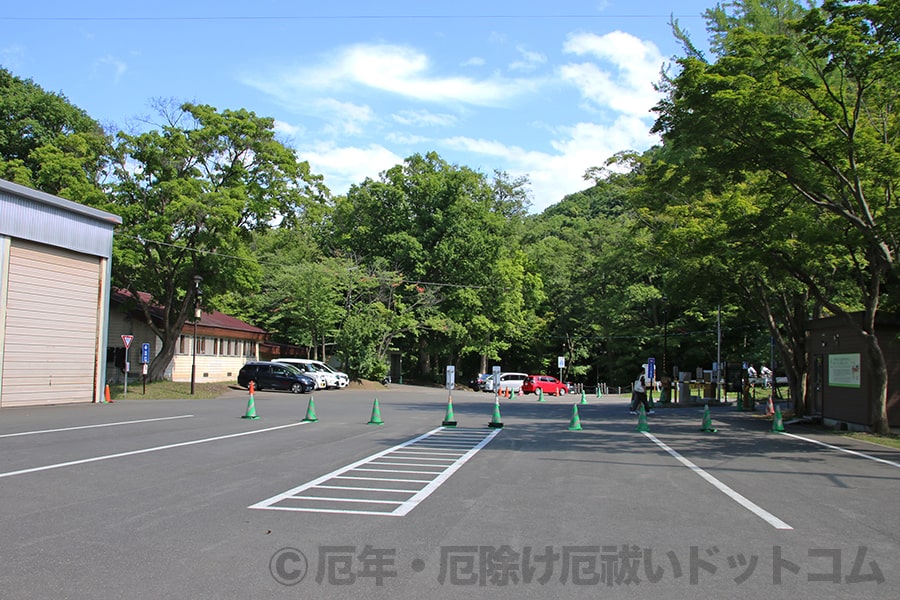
pixel 54 297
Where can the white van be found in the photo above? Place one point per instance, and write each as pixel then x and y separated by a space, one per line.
pixel 508 381
pixel 317 375
pixel 320 372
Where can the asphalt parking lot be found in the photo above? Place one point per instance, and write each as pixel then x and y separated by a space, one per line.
pixel 187 499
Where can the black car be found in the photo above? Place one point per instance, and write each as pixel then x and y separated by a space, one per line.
pixel 275 376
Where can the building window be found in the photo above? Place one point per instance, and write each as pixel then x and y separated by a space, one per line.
pixel 183 345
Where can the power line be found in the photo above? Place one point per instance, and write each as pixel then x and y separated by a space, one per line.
pixel 441 17
pixel 275 262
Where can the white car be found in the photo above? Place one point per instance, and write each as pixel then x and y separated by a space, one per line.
pixel 320 371
pixel 508 381
pixel 303 365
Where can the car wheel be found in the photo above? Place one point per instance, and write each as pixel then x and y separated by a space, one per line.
pixel 297 388
pixel 562 391
pixel 256 385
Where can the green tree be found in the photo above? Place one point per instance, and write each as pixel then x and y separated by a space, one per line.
pixel 445 230
pixel 813 106
pixel 50 144
pixel 190 193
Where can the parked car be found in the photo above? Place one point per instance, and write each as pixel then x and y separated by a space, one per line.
pixel 478 383
pixel 508 381
pixel 546 383
pixel 275 376
pixel 310 371
pixel 325 375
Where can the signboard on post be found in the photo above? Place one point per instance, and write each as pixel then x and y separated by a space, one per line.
pixel 451 376
pixel 145 353
pixel 127 339
pixel 651 369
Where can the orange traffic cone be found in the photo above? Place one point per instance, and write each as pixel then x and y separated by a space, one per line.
pixel 770 411
pixel 106 395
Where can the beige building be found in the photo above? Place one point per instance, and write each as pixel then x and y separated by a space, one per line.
pixel 223 345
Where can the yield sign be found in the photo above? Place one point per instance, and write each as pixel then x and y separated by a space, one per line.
pixel 127 339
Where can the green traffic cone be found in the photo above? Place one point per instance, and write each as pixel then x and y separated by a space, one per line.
pixel 495 419
pixel 583 397
pixel 707 421
pixel 376 415
pixel 540 394
pixel 512 394
pixel 777 422
pixel 449 419
pixel 575 421
pixel 311 411
pixel 642 420
pixel 598 391
pixel 740 402
pixel 251 409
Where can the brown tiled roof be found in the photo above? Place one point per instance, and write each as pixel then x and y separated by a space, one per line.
pixel 207 319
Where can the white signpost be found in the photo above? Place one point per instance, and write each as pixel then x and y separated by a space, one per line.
pixel 127 339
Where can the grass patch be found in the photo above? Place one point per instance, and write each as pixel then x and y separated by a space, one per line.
pixel 169 390
pixel 891 440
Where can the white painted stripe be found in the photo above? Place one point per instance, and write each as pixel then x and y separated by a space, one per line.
pixel 5 435
pixel 403 464
pixel 749 505
pixel 436 451
pixel 420 458
pixel 384 479
pixel 397 471
pixel 839 449
pixel 334 511
pixel 365 489
pixel 354 500
pixel 147 450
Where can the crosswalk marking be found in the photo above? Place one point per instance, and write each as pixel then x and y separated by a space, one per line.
pixel 442 451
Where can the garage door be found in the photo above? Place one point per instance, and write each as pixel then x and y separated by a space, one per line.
pixel 51 325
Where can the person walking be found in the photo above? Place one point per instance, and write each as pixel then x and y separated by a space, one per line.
pixel 639 395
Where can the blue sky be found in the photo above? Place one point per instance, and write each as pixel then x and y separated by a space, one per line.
pixel 545 90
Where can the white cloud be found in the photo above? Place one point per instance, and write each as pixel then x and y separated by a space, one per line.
pixel 287 129
pixel 345 118
pixel 406 139
pixel 11 56
pixel 576 149
pixel 423 118
pixel 628 86
pixel 529 61
pixel 344 166
pixel 393 69
pixel 119 66
pixel 475 61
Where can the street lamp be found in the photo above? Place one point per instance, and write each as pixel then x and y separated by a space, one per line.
pixel 197 294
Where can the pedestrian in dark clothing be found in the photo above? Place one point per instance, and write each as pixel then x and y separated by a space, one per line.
pixel 639 395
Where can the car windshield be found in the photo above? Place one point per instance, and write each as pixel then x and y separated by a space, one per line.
pixel 292 368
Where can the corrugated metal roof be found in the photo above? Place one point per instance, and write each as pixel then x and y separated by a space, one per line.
pixel 39 217
pixel 57 202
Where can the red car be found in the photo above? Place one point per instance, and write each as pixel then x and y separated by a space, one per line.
pixel 549 385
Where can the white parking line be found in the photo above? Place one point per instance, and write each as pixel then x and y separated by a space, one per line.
pixel 83 461
pixel 839 449
pixel 749 505
pixel 5 435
